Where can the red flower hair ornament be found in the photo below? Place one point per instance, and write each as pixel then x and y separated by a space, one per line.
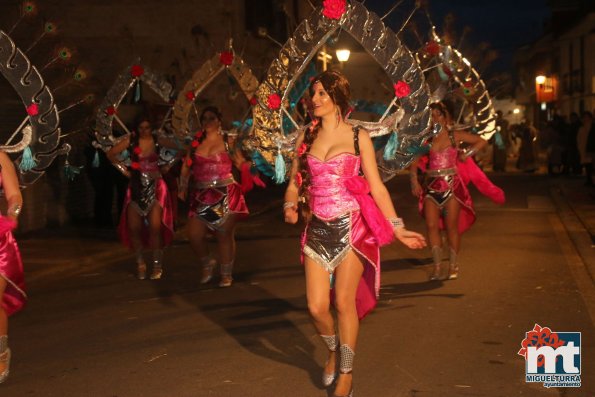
pixel 302 149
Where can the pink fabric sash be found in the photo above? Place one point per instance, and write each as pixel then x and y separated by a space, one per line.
pixel 380 227
pixel 11 268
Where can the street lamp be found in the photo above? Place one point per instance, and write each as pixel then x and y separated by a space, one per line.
pixel 540 79
pixel 343 55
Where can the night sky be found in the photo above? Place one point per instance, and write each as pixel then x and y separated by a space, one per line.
pixel 505 24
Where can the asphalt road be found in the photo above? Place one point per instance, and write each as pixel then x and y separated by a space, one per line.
pixel 92 329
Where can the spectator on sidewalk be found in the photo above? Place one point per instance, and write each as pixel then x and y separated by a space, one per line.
pixel 499 142
pixel 584 138
pixel 12 283
pixel 572 163
pixel 526 161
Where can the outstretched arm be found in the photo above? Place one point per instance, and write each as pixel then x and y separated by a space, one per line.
pixel 477 143
pixel 10 183
pixel 115 151
pixel 381 195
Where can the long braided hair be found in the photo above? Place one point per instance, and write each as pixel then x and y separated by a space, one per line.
pixel 337 87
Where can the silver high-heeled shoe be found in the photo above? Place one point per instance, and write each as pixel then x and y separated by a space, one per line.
pixel 4 357
pixel 331 342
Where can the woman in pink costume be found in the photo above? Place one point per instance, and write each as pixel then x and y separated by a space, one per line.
pixel 444 200
pixel 216 199
pixel 12 282
pixel 147 216
pixel 345 224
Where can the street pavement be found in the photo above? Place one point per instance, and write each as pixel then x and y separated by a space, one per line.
pixel 91 329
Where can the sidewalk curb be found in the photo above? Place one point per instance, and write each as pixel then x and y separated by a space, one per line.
pixel 579 235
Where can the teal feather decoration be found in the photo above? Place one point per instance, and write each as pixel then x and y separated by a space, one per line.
pixel 27 161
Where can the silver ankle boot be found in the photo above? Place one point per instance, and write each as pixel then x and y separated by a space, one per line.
pixel 437 258
pixel 208 265
pixel 346 365
pixel 141 266
pixel 453 268
pixel 157 271
pixel 331 342
pixel 226 279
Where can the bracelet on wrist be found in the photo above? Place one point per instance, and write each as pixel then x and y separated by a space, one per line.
pixel 288 204
pixel 470 152
pixel 14 210
pixel 397 223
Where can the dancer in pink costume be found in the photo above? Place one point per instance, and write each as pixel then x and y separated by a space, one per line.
pixel 444 200
pixel 348 218
pixel 147 215
pixel 216 199
pixel 12 282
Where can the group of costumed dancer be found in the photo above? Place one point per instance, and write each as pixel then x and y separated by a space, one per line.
pixel 334 182
pixel 216 200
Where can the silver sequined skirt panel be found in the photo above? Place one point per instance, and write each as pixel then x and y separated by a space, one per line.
pixel 327 241
pixel 146 196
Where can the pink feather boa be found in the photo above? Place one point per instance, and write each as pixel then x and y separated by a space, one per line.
pixel 248 180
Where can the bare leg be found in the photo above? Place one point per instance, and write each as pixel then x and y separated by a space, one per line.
pixel 135 223
pixel 453 208
pixel 197 232
pixel 156 243
pixel 318 295
pixel 348 274
pixel 432 217
pixel 227 249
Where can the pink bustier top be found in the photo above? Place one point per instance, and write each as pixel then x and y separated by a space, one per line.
pixel 446 158
pixel 211 168
pixel 329 196
pixel 148 163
